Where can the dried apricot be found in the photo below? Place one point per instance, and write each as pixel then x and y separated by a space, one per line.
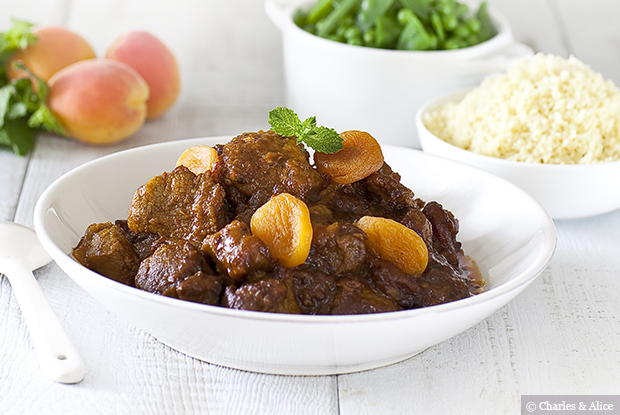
pixel 198 159
pixel 396 243
pixel 283 224
pixel 360 157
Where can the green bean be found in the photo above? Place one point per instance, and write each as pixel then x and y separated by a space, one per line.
pixel 447 9
pixel 371 10
pixel 336 38
pixel 414 36
pixel 369 37
pixel 328 24
pixel 487 29
pixel 404 15
pixel 422 8
pixel 450 21
pixel 454 43
pixel 437 26
pixel 474 24
pixel 461 9
pixel 353 36
pixel 462 31
pixel 347 23
pixel 387 31
pixel 300 19
pixel 473 39
pixel 319 11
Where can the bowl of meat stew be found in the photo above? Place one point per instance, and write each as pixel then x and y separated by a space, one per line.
pixel 198 279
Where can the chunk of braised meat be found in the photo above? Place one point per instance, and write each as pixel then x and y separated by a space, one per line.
pixel 236 252
pixel 144 243
pixel 314 290
pixel 445 228
pixel 344 202
pixel 356 297
pixel 271 295
pixel 105 250
pixel 402 288
pixel 415 219
pixel 387 192
pixel 178 269
pixel 442 283
pixel 259 165
pixel 337 248
pixel 380 194
pixel 179 205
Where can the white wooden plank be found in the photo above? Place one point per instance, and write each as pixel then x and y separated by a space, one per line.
pixel 592 30
pixel 12 172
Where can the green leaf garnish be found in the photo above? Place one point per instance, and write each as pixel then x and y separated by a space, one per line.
pixel 43 119
pixel 17 37
pixel 18 136
pixel 23 109
pixel 286 122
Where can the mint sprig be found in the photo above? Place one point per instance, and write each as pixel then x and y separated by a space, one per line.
pixel 23 109
pixel 286 122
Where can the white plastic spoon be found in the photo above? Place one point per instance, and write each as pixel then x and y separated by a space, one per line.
pixel 20 254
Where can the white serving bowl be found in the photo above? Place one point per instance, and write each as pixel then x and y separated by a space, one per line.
pixel 506 231
pixel 379 90
pixel 565 191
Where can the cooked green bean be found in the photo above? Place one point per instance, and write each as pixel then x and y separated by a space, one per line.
pixel 372 10
pixel 328 25
pixel 387 31
pixel 399 24
pixel 319 11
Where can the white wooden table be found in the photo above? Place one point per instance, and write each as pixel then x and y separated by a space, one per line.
pixel 561 336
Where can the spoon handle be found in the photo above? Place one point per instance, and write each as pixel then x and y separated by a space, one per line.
pixel 59 359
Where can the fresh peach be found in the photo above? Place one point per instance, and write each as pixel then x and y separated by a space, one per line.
pixel 99 101
pixel 155 62
pixel 55 48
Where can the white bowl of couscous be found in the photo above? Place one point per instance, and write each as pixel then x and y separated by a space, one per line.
pixel 549 125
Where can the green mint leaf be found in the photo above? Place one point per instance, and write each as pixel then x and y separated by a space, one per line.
pixel 285 122
pixel 17 110
pixel 6 92
pixel 5 140
pixel 308 125
pixel 43 119
pixel 33 100
pixel 32 97
pixel 18 37
pixel 325 140
pixel 3 78
pixel 18 136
